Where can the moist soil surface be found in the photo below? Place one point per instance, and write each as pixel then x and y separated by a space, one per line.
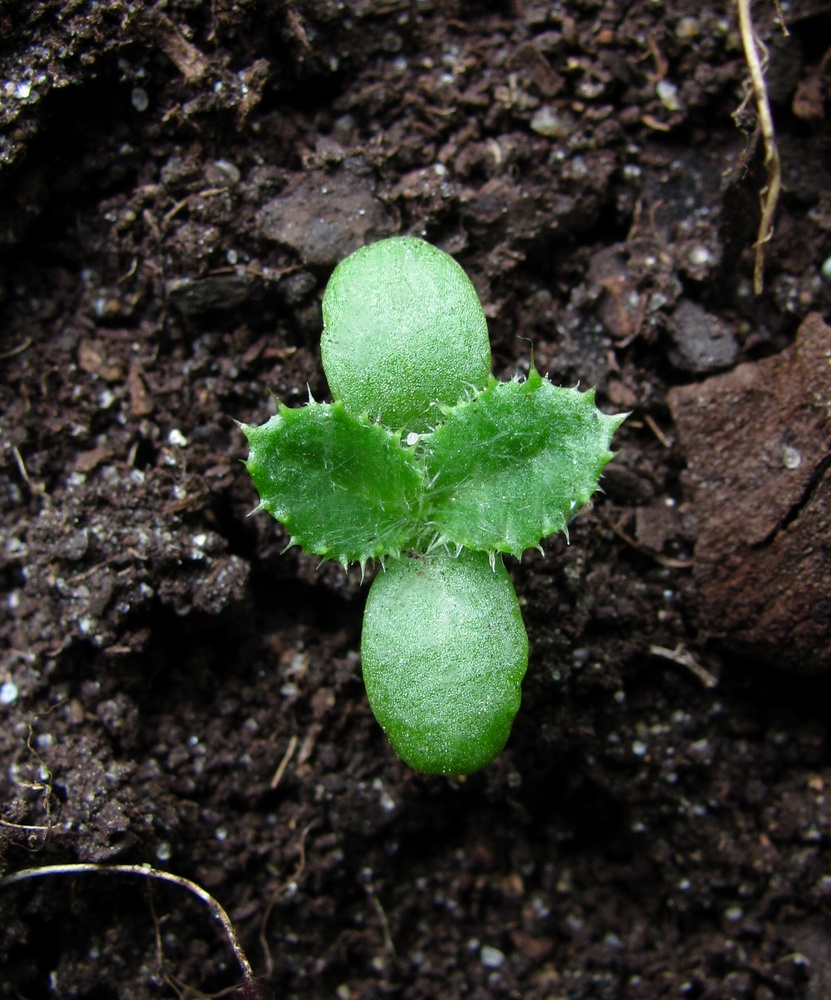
pixel 178 181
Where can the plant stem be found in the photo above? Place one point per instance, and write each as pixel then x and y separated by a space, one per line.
pixel 147 872
pixel 769 195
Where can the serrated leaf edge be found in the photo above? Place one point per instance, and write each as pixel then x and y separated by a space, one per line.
pixel 334 553
pixel 533 380
pixel 430 540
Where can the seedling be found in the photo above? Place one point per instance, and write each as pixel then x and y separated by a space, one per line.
pixel 428 464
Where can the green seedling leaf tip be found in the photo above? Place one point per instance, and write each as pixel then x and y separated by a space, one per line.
pixel 403 333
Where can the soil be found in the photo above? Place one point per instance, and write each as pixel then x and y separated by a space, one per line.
pixel 178 180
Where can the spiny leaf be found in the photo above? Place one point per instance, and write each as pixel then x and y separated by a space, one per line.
pixel 342 485
pixel 515 464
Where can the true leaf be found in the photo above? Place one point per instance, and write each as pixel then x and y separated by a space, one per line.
pixel 514 464
pixel 342 485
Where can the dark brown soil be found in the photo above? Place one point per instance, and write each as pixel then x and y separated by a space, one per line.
pixel 177 181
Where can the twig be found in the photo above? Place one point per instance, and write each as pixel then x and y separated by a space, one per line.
pixel 298 871
pixel 21 466
pixel 385 924
pixel 206 193
pixel 25 827
pixel 281 767
pixel 147 872
pixel 769 195
pixel 27 343
pixel 684 658
pixel 668 561
pixel 656 430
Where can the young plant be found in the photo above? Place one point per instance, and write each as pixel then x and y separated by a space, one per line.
pixel 427 463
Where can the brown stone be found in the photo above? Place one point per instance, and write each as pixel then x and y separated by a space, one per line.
pixel 758 446
pixel 326 215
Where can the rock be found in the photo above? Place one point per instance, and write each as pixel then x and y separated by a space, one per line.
pixel 656 524
pixel 700 342
pixel 757 442
pixel 326 215
pixel 195 296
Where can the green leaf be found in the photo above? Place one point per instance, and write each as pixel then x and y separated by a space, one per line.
pixel 343 486
pixel 444 651
pixel 404 332
pixel 515 464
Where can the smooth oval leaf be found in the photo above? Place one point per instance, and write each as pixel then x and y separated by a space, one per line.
pixel 515 464
pixel 343 487
pixel 404 332
pixel 444 651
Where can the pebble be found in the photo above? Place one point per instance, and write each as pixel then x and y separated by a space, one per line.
pixel 688 27
pixel 545 121
pixel 139 99
pixel 177 438
pixel 491 958
pixel 701 342
pixel 8 693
